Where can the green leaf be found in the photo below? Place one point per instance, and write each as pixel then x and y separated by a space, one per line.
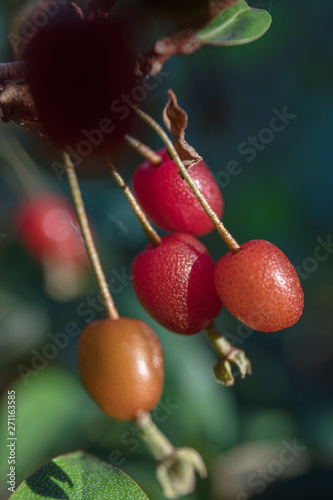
pixel 77 476
pixel 235 26
pixel 53 410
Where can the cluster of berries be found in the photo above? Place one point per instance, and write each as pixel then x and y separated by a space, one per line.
pixel 79 69
pixel 71 68
pixel 177 283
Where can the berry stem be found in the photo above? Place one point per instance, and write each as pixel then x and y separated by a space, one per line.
pixel 157 443
pixel 108 302
pixel 224 233
pixel 150 232
pixel 176 467
pixel 144 150
pixel 228 356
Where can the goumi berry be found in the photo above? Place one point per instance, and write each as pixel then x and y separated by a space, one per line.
pixel 174 283
pixel 260 287
pixel 169 201
pixel 121 366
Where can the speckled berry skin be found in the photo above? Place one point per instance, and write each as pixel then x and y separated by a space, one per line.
pixel 121 366
pixel 174 283
pixel 169 201
pixel 260 286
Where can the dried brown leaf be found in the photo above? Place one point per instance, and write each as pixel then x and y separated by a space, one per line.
pixel 175 120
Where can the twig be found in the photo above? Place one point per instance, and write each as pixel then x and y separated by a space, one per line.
pixel 144 150
pixel 108 302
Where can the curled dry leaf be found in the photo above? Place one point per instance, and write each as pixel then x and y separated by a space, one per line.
pixel 175 120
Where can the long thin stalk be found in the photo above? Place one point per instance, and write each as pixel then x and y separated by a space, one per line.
pixel 150 232
pixel 108 302
pixel 144 150
pixel 176 467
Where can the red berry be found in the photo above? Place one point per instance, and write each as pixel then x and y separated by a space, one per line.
pixel 48 227
pixel 174 283
pixel 122 366
pixel 260 287
pixel 169 201
pixel 79 72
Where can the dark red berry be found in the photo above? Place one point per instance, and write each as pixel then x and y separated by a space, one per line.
pixel 169 201
pixel 174 283
pixel 48 227
pixel 260 286
pixel 79 72
pixel 122 366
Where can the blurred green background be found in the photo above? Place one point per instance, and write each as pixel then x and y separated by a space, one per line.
pixel 283 194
